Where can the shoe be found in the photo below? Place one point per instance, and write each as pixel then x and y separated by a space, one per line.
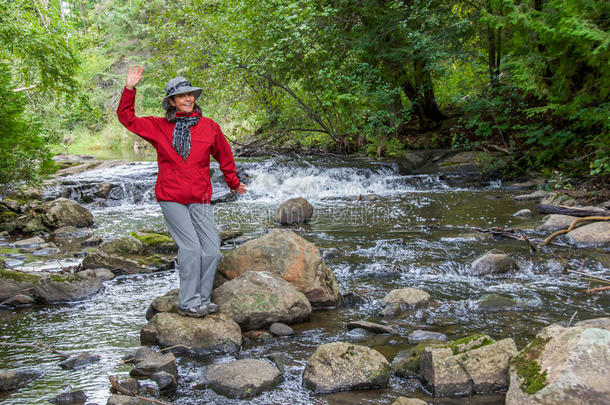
pixel 194 312
pixel 211 308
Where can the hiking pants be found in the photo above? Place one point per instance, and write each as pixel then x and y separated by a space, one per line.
pixel 193 229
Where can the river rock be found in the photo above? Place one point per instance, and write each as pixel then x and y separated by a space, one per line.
pixel 103 274
pixel 467 366
pixel 244 378
pixel 126 400
pixel 370 326
pixel 536 195
pixel 494 262
pixel 291 257
pixel 65 232
pixel 28 243
pixel 293 211
pixel 130 384
pixel 341 366
pixel 12 380
pixel 70 398
pixel 555 198
pixel 79 361
pixel 404 300
pixel 595 234
pixel 148 362
pixel 13 282
pixel 419 336
pixel 214 333
pixel 563 365
pixel 524 213
pixel 103 189
pixel 18 300
pixel 229 234
pixel 408 401
pixel 121 266
pixel 64 212
pixel 497 303
pixel 256 299
pixel 406 362
pixel 157 242
pixel 94 240
pixel 126 245
pixel 280 329
pixel 67 288
pixel 556 222
pixel 165 381
pixel 165 303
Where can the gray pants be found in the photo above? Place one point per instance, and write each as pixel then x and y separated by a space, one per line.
pixel 193 229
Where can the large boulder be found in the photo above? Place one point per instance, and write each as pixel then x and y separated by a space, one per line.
pixel 14 379
pixel 64 212
pixel 596 234
pixel 67 288
pixel 293 211
pixel 494 262
pixel 291 257
pixel 471 365
pixel 403 300
pixel 244 378
pixel 214 333
pixel 563 365
pixel 406 362
pixel 256 299
pixel 341 366
pixel 158 242
pixel 13 282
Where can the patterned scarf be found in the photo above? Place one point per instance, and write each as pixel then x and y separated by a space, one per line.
pixel 182 135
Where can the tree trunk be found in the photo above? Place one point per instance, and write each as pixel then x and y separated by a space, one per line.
pixel 422 96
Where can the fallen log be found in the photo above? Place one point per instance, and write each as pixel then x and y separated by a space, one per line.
pixel 571 211
pixel 598 289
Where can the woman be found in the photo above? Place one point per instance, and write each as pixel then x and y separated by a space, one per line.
pixel 184 141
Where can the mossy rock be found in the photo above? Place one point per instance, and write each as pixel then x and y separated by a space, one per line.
pixel 468 343
pixel 158 242
pixel 406 362
pixel 528 368
pixel 18 276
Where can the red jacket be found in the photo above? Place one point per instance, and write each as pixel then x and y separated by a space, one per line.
pixel 178 180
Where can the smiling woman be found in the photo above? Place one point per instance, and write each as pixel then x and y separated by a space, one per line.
pixel 184 141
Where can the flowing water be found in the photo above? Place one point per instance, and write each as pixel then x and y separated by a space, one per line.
pixel 419 234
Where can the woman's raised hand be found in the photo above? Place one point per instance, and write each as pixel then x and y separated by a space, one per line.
pixel 134 75
pixel 241 189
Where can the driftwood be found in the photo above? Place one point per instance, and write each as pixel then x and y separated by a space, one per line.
pixel 573 212
pixel 39 345
pixel 508 233
pixel 598 289
pixel 571 227
pixel 114 381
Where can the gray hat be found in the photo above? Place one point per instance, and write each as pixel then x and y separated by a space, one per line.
pixel 179 85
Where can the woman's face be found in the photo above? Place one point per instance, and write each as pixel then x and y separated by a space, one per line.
pixel 184 102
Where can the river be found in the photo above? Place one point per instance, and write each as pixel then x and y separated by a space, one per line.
pixel 419 234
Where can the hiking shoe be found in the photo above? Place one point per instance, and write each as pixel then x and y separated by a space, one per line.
pixel 210 307
pixel 194 312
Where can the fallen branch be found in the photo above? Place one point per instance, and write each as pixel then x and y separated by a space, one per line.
pixel 571 227
pixel 17 90
pixel 114 381
pixel 598 289
pixel 571 211
pixel 508 233
pixel 175 347
pixel 39 345
pixel 592 277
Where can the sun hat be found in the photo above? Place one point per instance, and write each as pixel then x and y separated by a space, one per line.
pixel 179 85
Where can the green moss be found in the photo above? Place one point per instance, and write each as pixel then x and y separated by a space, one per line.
pixel 406 362
pixel 260 303
pixel 7 216
pixel 527 366
pixel 62 279
pixel 466 343
pixel 152 239
pixel 18 276
pixel 348 352
pixel 6 250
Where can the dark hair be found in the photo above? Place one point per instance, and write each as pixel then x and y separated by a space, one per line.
pixel 170 114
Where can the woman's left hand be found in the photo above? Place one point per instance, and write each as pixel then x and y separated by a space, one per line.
pixel 241 189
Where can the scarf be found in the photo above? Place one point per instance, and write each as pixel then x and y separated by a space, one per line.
pixel 182 135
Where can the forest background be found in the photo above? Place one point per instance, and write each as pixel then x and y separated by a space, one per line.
pixel 525 82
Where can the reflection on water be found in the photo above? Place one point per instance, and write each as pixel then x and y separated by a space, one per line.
pixel 419 234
